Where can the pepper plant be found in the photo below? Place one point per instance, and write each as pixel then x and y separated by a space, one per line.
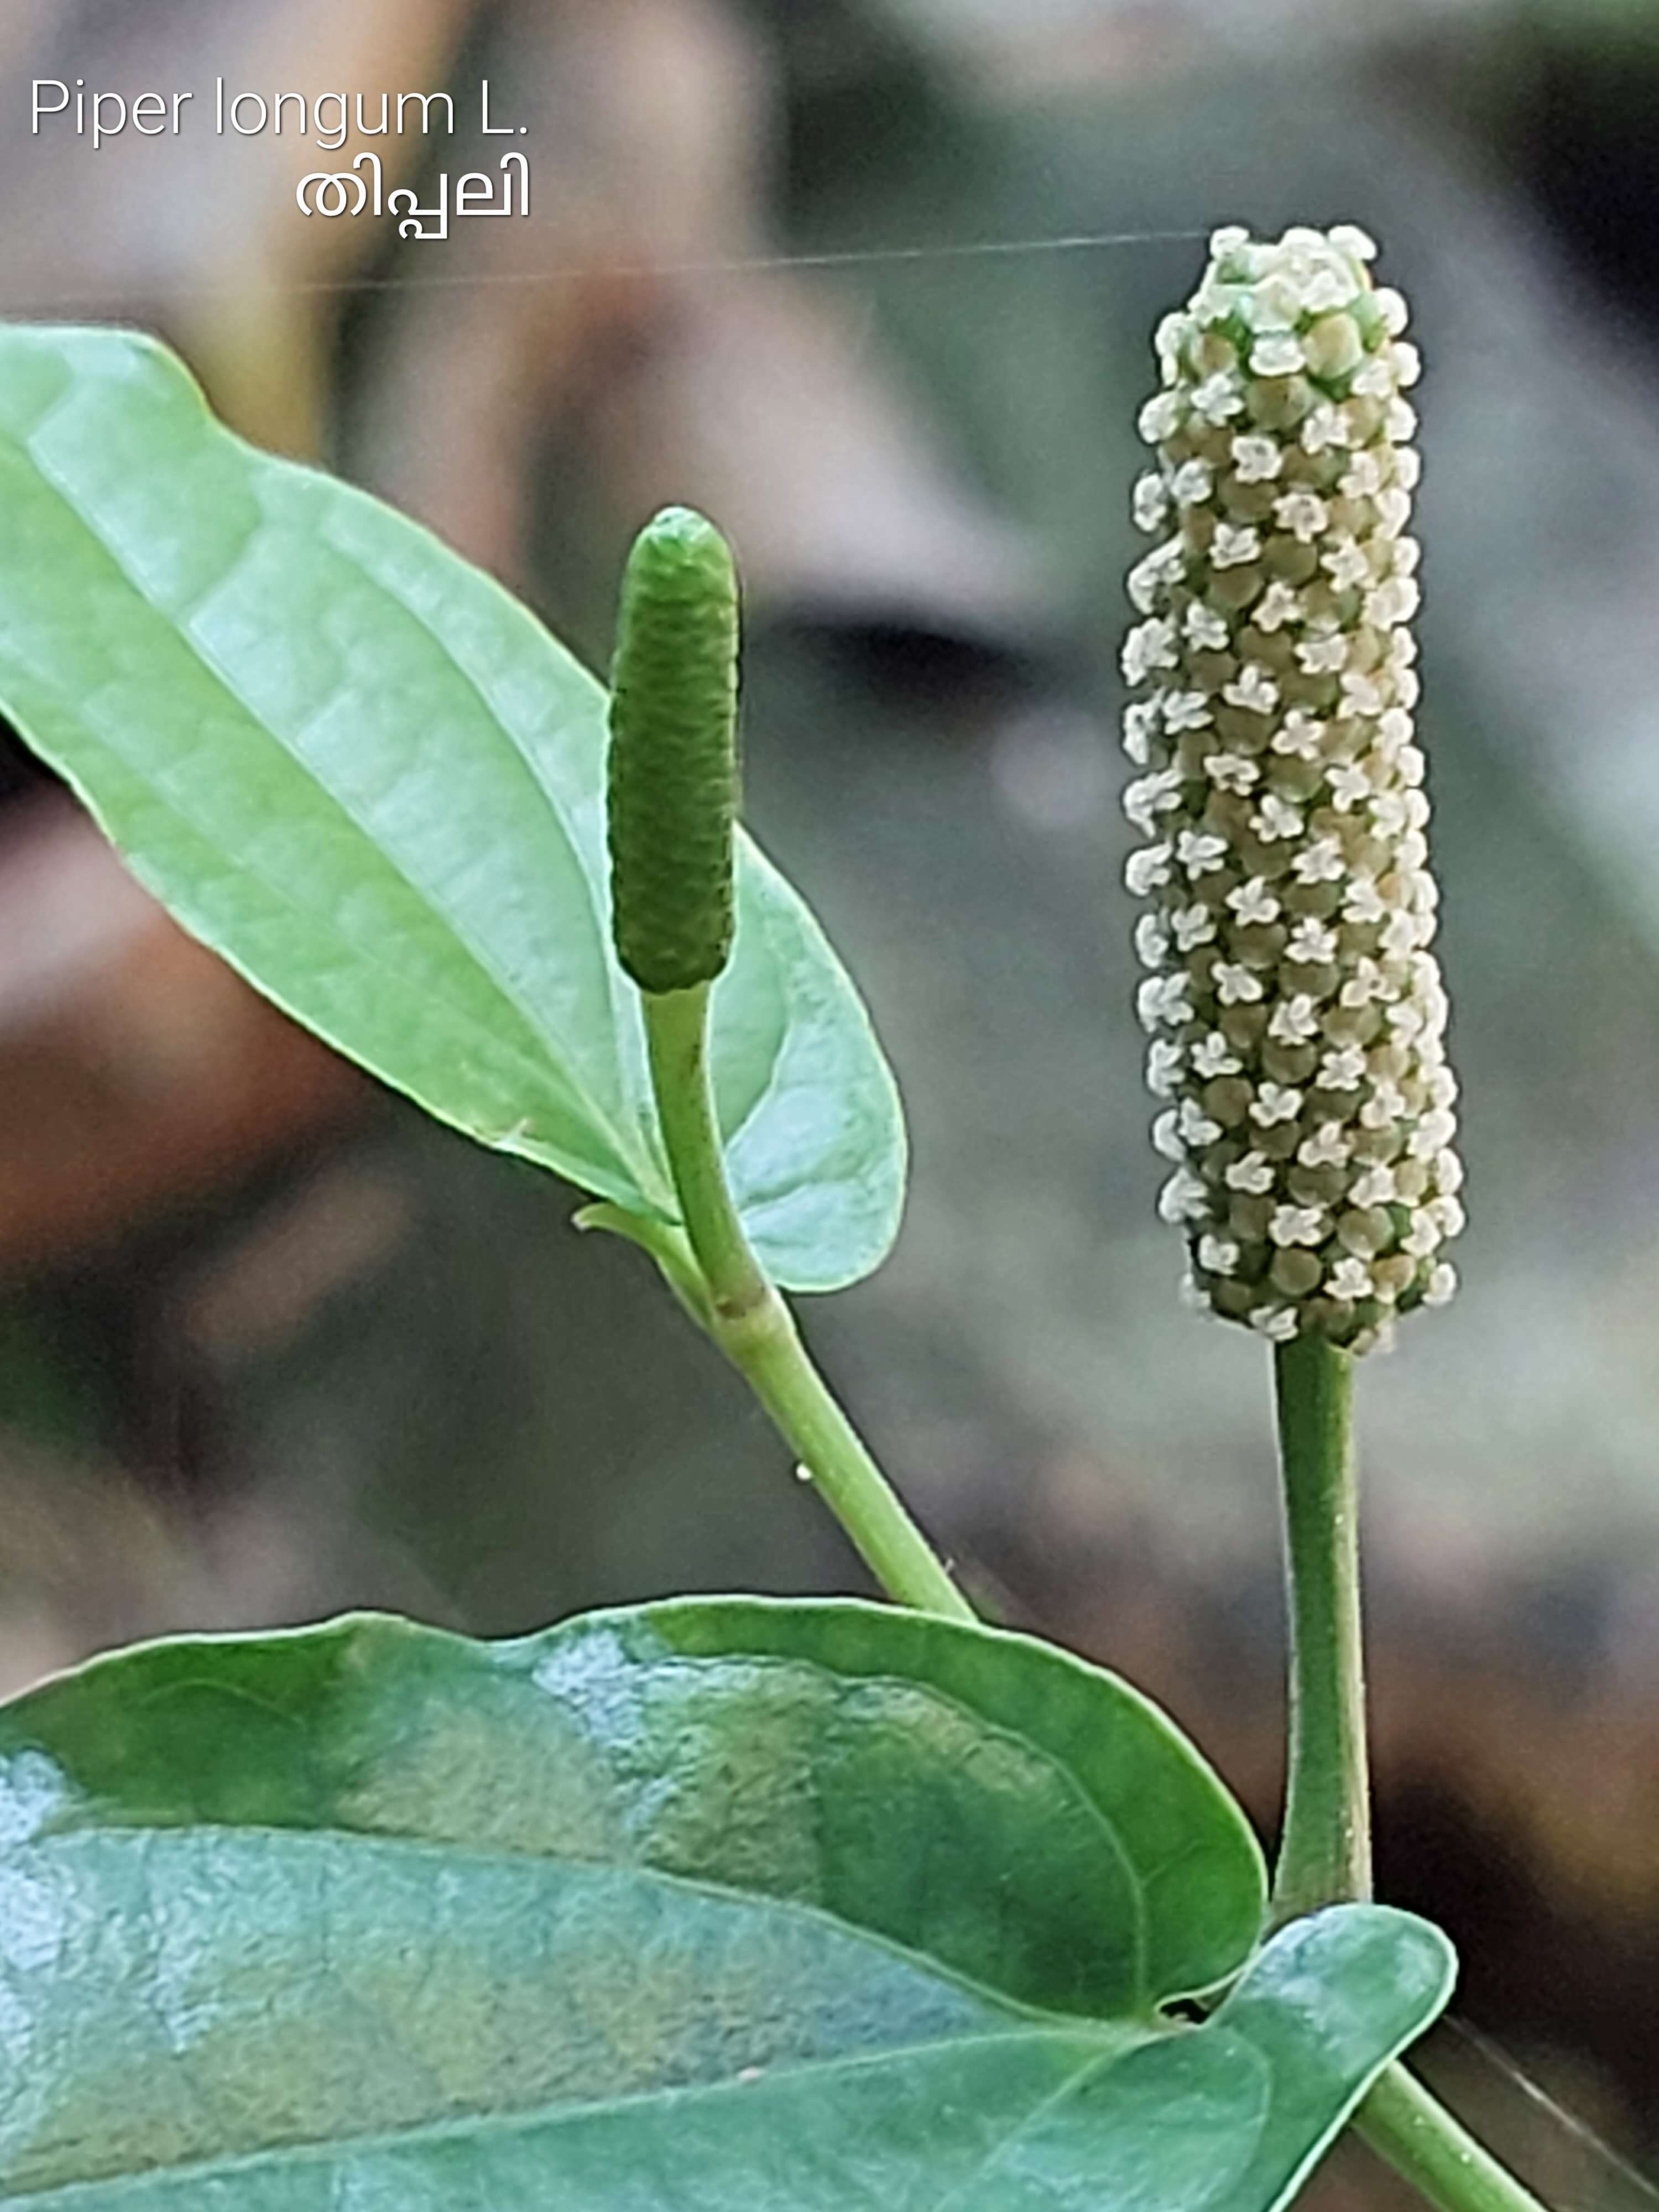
pixel 734 1902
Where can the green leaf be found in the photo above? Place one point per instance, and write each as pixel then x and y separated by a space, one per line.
pixel 713 1906
pixel 358 768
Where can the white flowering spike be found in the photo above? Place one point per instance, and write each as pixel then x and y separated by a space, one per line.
pixel 1295 1010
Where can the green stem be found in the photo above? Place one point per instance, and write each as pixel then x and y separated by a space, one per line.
pixel 1422 2142
pixel 750 1323
pixel 1325 1852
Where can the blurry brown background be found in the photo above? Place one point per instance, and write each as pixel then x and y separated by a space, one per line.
pixel 270 1345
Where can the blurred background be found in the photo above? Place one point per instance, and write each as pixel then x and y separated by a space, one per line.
pixel 270 1345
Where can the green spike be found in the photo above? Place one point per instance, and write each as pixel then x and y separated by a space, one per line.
pixel 673 793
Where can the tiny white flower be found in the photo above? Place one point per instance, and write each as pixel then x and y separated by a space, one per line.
pixel 1213 1056
pixel 1385 1105
pixel 1422 1240
pixel 1141 721
pixel 1278 605
pixel 1195 1126
pixel 1150 645
pixel 1389 813
pixel 1161 1001
pixel 1232 547
pixel 1166 1136
pixel 1299 1224
pixel 1399 424
pixel 1277 1322
pixel 1404 932
pixel 1217 1255
pixel 1343 1069
pixel 1327 1147
pixel 1299 735
pixel 1433 1134
pixel 1345 564
pixel 1394 732
pixel 1327 288
pixel 1303 513
pixel 1228 240
pixel 1163 1063
pixel 1205 629
pixel 1362 478
pixel 1149 796
pixel 1192 484
pixel 1408 364
pixel 1168 341
pixel 1253 1175
pixel 1151 505
pixel 1360 694
pixel 1349 783
pixel 1216 399
pixel 1184 711
pixel 1320 862
pixel 1395 600
pixel 1322 656
pixel 1234 985
pixel 1192 926
pixel 1147 870
pixel 1184 1198
pixel 1324 428
pixel 1275 354
pixel 1442 1285
pixel 1273 1103
pixel 1350 1278
pixel 1200 853
pixel 1374 1187
pixel 1149 580
pixel 1253 689
pixel 1373 380
pixel 1446 1214
pixel 1348 238
pixel 1276 820
pixel 1257 459
pixel 1254 902
pixel 1276 304
pixel 1151 941
pixel 1234 772
pixel 1312 941
pixel 1367 983
pixel 1160 418
pixel 1394 510
pixel 1362 903
pixel 1295 1020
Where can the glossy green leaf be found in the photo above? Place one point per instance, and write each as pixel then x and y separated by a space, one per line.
pixel 366 775
pixel 715 1903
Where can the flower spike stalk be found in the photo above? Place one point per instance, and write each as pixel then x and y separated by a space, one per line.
pixel 1296 1010
pixel 672 804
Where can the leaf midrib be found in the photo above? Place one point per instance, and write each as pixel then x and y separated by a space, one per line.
pixel 1111 2046
pixel 581 1097
pixel 321 1837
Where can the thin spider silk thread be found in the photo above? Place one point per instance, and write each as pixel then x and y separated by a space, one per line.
pixel 1568 2123
pixel 870 257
